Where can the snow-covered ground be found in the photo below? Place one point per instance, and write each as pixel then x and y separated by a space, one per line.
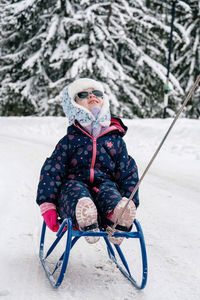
pixel 169 214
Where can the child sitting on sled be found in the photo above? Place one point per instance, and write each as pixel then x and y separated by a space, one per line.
pixel 90 175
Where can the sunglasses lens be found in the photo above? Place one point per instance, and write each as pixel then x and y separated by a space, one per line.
pixel 82 95
pixel 98 94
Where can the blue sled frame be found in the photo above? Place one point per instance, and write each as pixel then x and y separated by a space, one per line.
pixel 74 235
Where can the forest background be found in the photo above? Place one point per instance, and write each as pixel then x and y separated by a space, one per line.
pixel 45 45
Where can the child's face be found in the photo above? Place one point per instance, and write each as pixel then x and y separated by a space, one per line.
pixel 91 101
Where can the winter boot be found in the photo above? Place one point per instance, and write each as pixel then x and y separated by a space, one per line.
pixel 125 221
pixel 86 216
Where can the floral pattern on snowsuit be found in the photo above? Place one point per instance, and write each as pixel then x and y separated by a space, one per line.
pixel 85 166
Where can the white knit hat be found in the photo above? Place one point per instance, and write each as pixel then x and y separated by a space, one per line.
pixel 81 84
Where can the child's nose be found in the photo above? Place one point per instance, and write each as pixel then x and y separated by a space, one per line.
pixel 91 95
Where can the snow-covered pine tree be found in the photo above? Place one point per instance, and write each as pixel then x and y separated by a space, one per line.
pixel 45 47
pixel 151 24
pixel 92 47
pixel 99 29
pixel 185 57
pixel 186 64
pixel 121 45
pixel 31 30
pixel 47 44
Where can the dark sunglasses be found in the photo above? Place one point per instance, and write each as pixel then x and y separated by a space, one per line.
pixel 83 95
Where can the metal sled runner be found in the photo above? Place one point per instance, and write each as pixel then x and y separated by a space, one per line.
pixel 72 236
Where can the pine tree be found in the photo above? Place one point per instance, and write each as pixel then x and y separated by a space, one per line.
pixel 154 26
pixel 187 51
pixel 120 45
pixel 45 45
pixel 28 38
pixel 99 28
pixel 185 56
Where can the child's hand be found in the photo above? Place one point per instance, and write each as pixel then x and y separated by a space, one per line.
pixel 50 218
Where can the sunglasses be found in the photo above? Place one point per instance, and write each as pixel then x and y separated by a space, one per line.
pixel 83 95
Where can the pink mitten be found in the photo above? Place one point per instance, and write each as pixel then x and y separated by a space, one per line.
pixel 50 218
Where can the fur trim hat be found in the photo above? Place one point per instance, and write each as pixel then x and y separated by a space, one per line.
pixel 81 84
pixel 74 111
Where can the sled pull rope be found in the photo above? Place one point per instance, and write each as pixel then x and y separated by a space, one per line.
pixel 110 230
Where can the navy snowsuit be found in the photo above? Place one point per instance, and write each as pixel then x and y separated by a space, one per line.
pixel 86 166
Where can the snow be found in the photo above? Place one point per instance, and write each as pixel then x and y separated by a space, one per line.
pixel 169 215
pixel 53 28
pixel 21 6
pixel 31 61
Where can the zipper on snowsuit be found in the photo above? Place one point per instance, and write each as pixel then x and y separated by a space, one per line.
pixel 94 151
pixel 94 154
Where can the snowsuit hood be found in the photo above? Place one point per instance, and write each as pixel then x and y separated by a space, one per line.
pixel 74 111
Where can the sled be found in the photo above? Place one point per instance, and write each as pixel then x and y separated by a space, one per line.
pixel 72 236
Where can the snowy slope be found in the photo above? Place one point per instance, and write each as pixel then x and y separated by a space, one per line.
pixel 169 214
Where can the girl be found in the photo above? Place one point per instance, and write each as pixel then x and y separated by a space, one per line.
pixel 90 175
